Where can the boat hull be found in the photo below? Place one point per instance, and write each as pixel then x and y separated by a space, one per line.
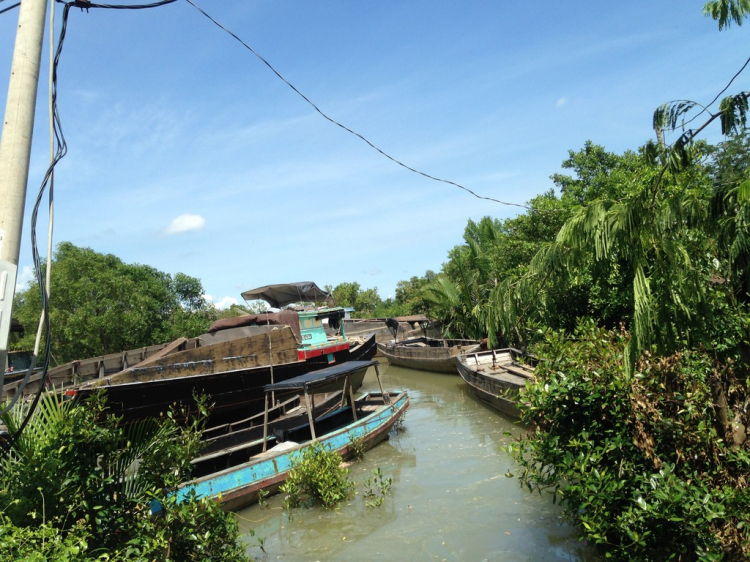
pixel 427 354
pixel 239 486
pixel 360 349
pixel 233 393
pixel 495 378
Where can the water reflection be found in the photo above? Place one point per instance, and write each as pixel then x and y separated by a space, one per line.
pixel 450 498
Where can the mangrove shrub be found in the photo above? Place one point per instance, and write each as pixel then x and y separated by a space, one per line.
pixel 640 459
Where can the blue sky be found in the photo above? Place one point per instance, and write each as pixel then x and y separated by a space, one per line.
pixel 188 154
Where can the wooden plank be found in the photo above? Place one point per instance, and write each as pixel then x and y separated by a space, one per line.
pixel 166 350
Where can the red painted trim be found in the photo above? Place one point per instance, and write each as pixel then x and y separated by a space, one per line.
pixel 303 354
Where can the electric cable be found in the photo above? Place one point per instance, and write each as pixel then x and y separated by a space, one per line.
pixel 713 101
pixel 62 149
pixel 347 129
pixel 9 8
pixel 85 5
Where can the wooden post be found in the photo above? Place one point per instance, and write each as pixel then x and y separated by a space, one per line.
pixel 386 399
pixel 351 397
pixel 310 415
pixel 265 424
pixel 345 392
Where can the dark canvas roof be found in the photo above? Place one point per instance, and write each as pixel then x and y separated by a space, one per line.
pixel 283 318
pixel 283 294
pixel 321 377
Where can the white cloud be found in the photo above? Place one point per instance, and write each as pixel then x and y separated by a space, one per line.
pixel 561 102
pixel 185 223
pixel 223 303
pixel 25 276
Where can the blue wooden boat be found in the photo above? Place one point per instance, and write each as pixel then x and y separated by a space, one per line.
pixel 267 459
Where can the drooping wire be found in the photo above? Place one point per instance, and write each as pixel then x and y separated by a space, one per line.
pixel 347 129
pixel 84 5
pixel 713 101
pixel 62 149
pixel 9 8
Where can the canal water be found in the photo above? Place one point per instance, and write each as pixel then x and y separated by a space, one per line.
pixel 450 498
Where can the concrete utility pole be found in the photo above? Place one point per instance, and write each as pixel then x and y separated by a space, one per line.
pixel 15 152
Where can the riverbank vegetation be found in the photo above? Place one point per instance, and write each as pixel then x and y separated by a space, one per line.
pixel 70 491
pixel 630 280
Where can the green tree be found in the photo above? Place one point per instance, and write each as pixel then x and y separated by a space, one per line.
pixel 409 298
pixel 101 305
pixel 642 435
pixel 344 294
pixel 365 302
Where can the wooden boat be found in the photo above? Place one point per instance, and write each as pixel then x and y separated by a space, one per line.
pixel 393 328
pixel 308 326
pixel 76 372
pixel 427 354
pixel 495 376
pixel 319 329
pixel 227 445
pixel 263 461
pixel 231 374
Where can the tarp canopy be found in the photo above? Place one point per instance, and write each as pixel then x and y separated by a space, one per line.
pixel 322 377
pixel 281 295
pixel 283 318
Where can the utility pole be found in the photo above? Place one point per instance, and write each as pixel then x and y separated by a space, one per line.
pixel 15 153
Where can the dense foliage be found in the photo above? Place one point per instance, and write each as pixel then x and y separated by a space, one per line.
pixel 367 303
pixel 74 487
pixel 101 305
pixel 641 460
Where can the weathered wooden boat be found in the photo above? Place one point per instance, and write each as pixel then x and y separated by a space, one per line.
pixel 76 372
pixel 319 329
pixel 263 461
pixel 406 327
pixel 230 373
pixel 308 326
pixel 427 354
pixel 495 376
pixel 227 445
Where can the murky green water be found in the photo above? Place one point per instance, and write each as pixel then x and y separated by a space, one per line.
pixel 450 498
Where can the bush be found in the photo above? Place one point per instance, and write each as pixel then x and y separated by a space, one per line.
pixel 317 477
pixel 77 488
pixel 635 458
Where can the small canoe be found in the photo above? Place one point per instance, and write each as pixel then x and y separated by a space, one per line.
pixel 495 377
pixel 268 460
pixel 427 354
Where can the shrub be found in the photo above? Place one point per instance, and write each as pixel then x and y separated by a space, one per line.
pixel 317 477
pixel 635 458
pixel 77 486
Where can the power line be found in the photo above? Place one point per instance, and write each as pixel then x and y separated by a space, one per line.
pixel 62 149
pixel 347 129
pixel 713 101
pixel 9 8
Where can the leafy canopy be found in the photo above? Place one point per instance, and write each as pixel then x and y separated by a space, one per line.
pixel 100 305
